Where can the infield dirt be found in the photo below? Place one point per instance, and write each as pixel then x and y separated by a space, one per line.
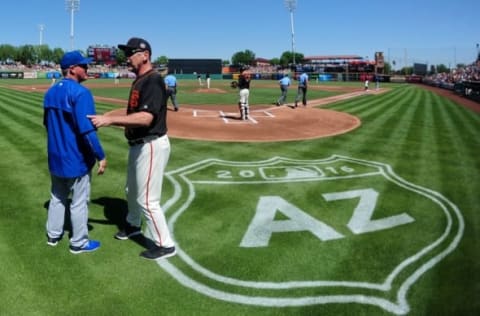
pixel 266 123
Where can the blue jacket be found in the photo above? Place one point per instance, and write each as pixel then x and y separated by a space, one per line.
pixel 72 143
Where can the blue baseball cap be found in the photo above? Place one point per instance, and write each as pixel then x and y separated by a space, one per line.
pixel 74 58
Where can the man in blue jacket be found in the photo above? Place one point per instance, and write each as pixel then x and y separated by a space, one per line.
pixel 73 149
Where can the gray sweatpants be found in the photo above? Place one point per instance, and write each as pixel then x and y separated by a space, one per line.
pixel 60 192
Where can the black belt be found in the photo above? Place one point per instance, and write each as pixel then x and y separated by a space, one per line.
pixel 144 140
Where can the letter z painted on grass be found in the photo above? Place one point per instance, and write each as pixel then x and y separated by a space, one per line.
pixel 349 231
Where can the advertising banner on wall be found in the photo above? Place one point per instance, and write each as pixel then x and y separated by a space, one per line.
pixel 11 75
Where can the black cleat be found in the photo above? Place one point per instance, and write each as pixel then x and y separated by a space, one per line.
pixel 158 252
pixel 128 232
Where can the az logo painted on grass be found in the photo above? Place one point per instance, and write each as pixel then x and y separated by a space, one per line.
pixel 285 232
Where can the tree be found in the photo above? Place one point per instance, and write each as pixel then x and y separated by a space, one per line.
pixel 27 55
pixel 442 68
pixel 57 55
pixel 7 52
pixel 387 68
pixel 44 54
pixel 246 57
pixel 275 61
pixel 162 60
pixel 408 70
pixel 120 57
pixel 287 58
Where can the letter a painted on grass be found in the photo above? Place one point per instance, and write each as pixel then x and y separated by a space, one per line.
pixel 263 224
pixel 383 212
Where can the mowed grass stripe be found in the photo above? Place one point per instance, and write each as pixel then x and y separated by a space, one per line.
pixel 31 102
pixel 458 146
pixel 23 117
pixel 23 147
pixel 376 130
pixel 26 179
pixel 361 104
pixel 27 266
pixel 402 126
pixel 24 134
pixel 423 142
pixel 21 130
pixel 458 117
pixel 21 111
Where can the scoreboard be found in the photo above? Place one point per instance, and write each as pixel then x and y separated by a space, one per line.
pixel 103 54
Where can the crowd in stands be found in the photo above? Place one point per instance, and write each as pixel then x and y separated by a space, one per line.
pixel 463 81
pixel 458 75
pixel 93 69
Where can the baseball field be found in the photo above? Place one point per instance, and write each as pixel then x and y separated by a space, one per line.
pixel 362 203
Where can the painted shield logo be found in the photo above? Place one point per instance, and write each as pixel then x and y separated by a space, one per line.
pixel 285 232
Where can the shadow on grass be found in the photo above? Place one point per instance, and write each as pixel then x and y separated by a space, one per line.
pixel 115 211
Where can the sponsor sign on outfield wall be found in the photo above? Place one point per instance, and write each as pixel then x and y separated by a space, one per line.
pixel 11 75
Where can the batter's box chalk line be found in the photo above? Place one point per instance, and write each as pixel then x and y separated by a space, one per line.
pixel 233 117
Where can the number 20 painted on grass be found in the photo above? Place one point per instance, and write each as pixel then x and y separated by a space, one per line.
pixel 263 224
pixel 319 172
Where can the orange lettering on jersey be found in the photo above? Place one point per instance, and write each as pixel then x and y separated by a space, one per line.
pixel 134 96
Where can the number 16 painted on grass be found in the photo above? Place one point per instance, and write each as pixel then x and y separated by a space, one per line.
pixel 263 224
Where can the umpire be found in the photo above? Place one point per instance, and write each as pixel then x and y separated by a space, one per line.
pixel 171 85
pixel 302 89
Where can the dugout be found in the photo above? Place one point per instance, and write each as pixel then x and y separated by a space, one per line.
pixel 199 66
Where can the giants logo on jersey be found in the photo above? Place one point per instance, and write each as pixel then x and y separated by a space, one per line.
pixel 134 97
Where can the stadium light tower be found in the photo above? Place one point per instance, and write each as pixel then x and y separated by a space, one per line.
pixel 41 27
pixel 291 6
pixel 72 6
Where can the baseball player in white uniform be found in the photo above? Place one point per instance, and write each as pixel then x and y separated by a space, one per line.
pixel 146 132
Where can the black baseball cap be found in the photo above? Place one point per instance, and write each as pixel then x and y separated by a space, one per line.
pixel 135 44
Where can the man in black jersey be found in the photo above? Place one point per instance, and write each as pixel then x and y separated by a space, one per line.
pixel 244 87
pixel 146 132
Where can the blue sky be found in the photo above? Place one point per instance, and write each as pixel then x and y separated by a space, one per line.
pixel 407 31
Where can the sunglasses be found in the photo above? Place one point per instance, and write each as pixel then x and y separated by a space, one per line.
pixel 85 67
pixel 132 52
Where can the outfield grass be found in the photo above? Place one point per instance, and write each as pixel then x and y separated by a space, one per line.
pixel 429 142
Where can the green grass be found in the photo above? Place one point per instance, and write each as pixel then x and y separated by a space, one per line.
pixel 427 140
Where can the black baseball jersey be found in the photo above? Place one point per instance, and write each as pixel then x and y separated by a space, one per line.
pixel 148 94
pixel 243 83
